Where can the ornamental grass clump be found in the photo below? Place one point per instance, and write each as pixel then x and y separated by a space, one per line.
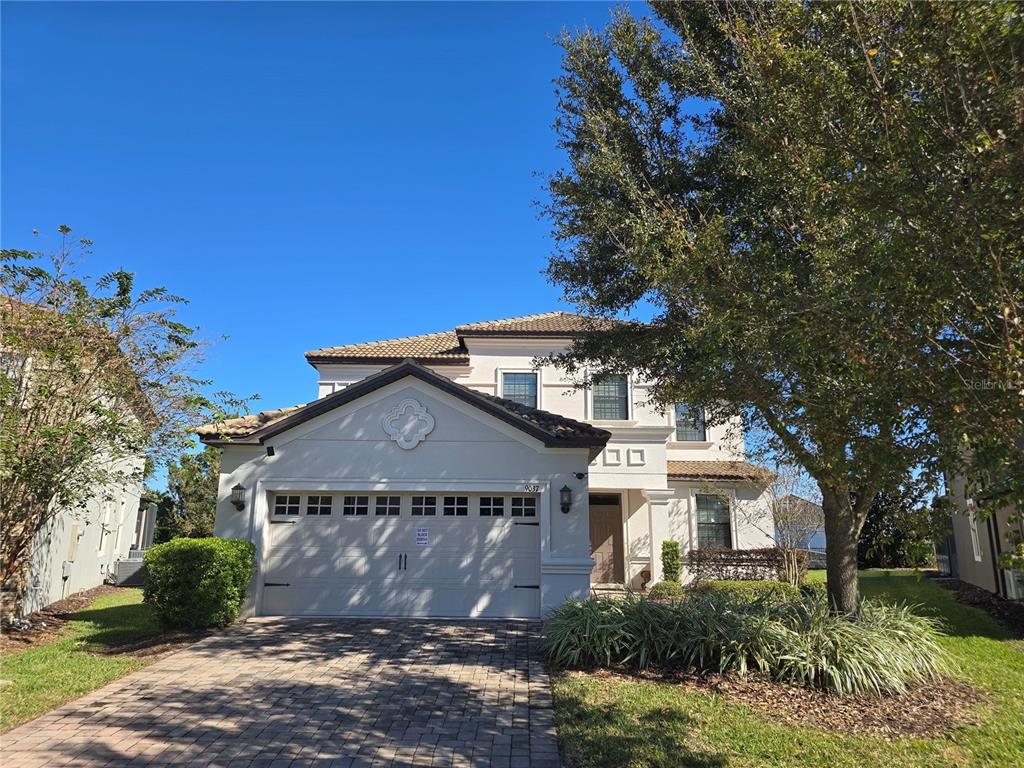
pixel 799 642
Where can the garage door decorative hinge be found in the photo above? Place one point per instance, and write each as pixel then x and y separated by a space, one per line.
pixel 526 586
pixel 275 584
pixel 520 522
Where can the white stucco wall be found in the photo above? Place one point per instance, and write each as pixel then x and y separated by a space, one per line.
pixel 94 554
pixel 347 449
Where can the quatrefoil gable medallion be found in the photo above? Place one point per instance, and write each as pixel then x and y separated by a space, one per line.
pixel 408 424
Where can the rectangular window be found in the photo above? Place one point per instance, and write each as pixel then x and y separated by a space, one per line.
pixel 972 518
pixel 492 506
pixel 355 505
pixel 524 506
pixel 318 505
pixel 456 506
pixel 424 506
pixel 611 398
pixel 286 505
pixel 690 424
pixel 388 506
pixel 714 528
pixel 520 388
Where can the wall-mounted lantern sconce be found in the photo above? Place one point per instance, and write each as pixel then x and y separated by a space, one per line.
pixel 565 496
pixel 238 496
pixel 270 450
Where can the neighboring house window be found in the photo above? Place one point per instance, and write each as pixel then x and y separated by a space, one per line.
pixel 355 505
pixel 972 519
pixel 690 424
pixel 286 505
pixel 456 506
pixel 713 525
pixel 318 505
pixel 424 506
pixel 492 506
pixel 524 506
pixel 611 398
pixel 520 388
pixel 388 506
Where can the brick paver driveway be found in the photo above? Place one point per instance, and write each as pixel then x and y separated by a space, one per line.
pixel 315 692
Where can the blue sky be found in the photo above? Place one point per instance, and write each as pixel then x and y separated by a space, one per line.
pixel 305 174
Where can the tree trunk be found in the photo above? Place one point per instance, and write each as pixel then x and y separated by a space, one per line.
pixel 842 531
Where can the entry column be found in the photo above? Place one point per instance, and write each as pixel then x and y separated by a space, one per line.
pixel 657 510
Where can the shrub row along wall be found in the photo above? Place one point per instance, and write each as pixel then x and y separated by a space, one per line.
pixel 736 564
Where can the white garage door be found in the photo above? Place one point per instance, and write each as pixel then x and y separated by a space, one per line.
pixel 402 555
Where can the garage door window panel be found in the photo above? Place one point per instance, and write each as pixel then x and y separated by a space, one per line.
pixel 286 505
pixel 355 506
pixel 492 506
pixel 424 506
pixel 524 506
pixel 456 506
pixel 319 505
pixel 388 506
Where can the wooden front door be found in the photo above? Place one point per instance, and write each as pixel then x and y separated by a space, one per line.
pixel 606 539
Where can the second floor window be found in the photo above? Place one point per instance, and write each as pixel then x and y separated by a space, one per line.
pixel 714 528
pixel 690 424
pixel 520 388
pixel 611 398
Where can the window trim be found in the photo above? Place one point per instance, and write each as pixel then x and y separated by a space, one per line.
pixel 355 505
pixel 629 401
pixel 490 506
pixel 455 506
pixel 675 425
pixel 287 505
pixel 387 506
pixel 319 506
pixel 972 524
pixel 499 384
pixel 730 502
pixel 424 505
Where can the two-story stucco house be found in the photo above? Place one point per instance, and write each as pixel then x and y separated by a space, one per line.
pixel 445 475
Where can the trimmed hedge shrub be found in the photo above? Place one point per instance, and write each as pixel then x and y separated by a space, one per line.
pixel 772 591
pixel 735 564
pixel 666 590
pixel 800 642
pixel 198 583
pixel 671 563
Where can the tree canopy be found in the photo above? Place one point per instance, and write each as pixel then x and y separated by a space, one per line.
pixel 823 205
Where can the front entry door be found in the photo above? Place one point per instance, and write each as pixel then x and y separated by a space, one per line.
pixel 606 539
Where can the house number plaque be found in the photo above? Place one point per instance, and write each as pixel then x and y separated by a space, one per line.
pixel 531 488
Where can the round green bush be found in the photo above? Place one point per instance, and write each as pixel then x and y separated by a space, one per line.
pixel 799 641
pixel 666 590
pixel 772 591
pixel 198 583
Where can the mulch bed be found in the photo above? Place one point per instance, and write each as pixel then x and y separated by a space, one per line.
pixel 924 711
pixel 1009 612
pixel 43 626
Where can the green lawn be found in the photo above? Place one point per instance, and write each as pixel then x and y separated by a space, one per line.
pixel 44 676
pixel 627 723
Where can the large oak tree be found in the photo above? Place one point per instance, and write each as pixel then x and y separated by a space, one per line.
pixel 823 204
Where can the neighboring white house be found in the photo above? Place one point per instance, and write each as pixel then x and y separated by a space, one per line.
pixel 445 475
pixel 80 549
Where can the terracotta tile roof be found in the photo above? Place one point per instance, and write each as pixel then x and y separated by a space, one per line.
pixel 552 429
pixel 442 346
pixel 546 323
pixel 245 425
pixel 447 346
pixel 718 470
